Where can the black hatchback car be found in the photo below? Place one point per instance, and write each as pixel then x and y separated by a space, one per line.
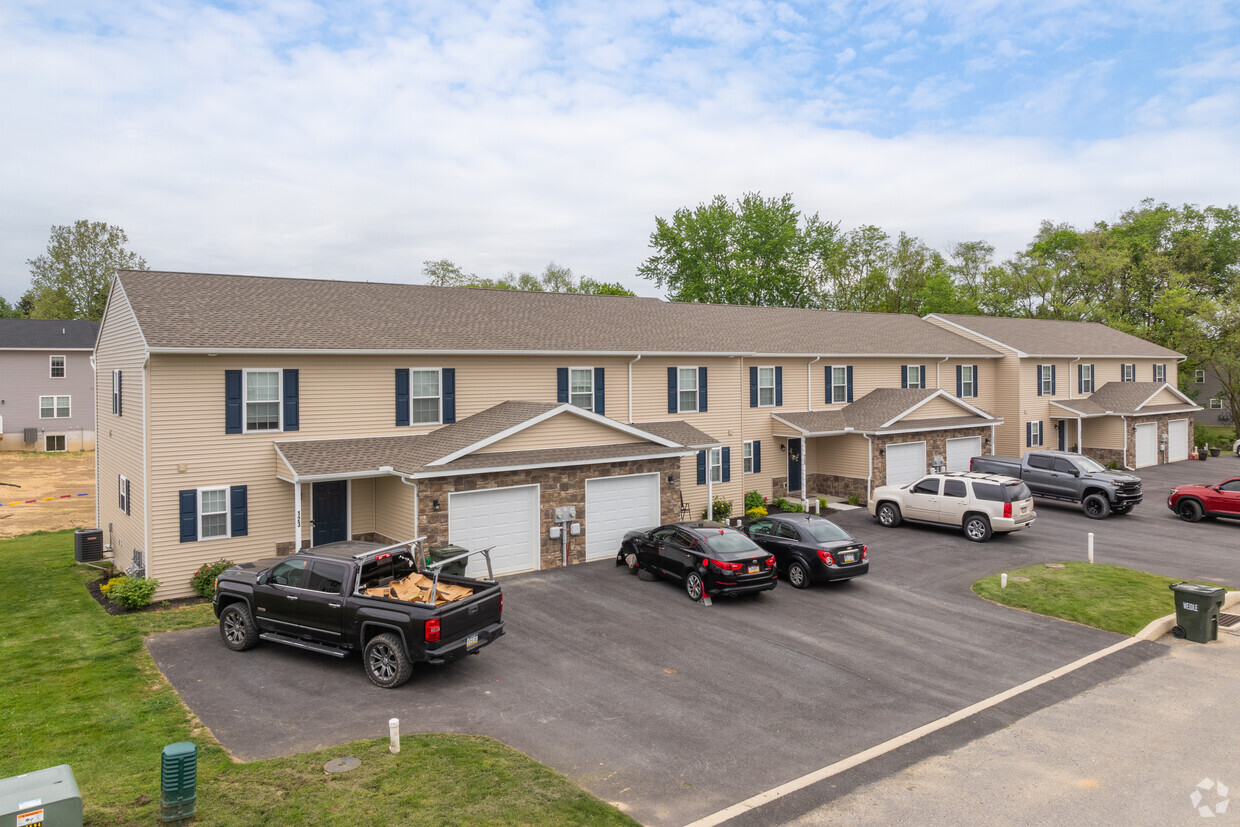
pixel 709 558
pixel 808 548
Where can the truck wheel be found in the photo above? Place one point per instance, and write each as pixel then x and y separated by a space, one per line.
pixel 798 577
pixel 1096 507
pixel 977 528
pixel 387 662
pixel 694 587
pixel 1189 510
pixel 889 515
pixel 237 627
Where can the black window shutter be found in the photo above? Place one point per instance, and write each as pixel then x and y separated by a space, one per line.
pixel 1042 432
pixel 1054 382
pixel 904 376
pixel 1080 378
pixel 701 469
pixel 673 401
pixel 702 389
pixel 959 380
pixel 120 394
pixel 561 384
pixel 1093 378
pixel 757 456
pixel 449 395
pixel 923 375
pixel 1039 377
pixel 975 380
pixel 292 412
pixel 779 387
pixel 1028 434
pixel 727 464
pixel 848 378
pixel 232 403
pixel 1155 376
pixel 600 398
pixel 189 515
pixel 240 520
pixel 128 502
pixel 828 377
pixel 753 387
pixel 402 396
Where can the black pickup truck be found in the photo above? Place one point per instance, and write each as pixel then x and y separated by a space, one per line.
pixel 351 596
pixel 1058 475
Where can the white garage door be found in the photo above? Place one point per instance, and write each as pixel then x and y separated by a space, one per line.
pixel 961 450
pixel 1177 440
pixel 615 505
pixel 1146 437
pixel 506 518
pixel 906 462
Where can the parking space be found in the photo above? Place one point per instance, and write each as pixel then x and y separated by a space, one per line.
pixel 674 710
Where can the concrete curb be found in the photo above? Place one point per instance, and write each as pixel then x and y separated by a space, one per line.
pixel 1157 628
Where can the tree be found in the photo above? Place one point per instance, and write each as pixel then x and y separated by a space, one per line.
pixel 554 279
pixel 444 273
pixel 71 280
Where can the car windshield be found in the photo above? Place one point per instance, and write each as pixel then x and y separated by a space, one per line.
pixel 731 543
pixel 1089 466
pixel 825 531
pixel 1016 491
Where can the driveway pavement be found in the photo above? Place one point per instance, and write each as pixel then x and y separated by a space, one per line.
pixel 674 710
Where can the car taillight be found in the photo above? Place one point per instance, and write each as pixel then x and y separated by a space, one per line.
pixel 1007 510
pixel 973 465
pixel 770 562
pixel 826 557
pixel 724 565
pixel 865 552
pixel 432 630
pixel 501 602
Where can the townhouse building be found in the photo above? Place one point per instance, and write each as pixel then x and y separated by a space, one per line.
pixel 47 385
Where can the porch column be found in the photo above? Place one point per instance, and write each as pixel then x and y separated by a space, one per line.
pixel 297 514
pixel 1080 438
pixel 710 483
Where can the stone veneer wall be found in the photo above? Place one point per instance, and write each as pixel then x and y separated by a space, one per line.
pixel 1106 455
pixel 1130 460
pixel 557 487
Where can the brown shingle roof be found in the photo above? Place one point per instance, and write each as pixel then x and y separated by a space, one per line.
pixel 202 311
pixel 1123 398
pixel 1052 337
pixel 873 411
pixel 682 433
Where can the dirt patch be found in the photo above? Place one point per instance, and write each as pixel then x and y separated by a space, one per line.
pixel 62 476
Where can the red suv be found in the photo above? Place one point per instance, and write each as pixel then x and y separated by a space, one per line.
pixel 1192 502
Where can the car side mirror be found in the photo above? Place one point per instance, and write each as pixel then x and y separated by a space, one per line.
pixel 261 579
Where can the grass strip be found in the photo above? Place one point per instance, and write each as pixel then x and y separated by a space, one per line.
pixel 79 688
pixel 1104 596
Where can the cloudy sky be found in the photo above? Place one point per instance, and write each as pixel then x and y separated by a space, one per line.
pixel 358 139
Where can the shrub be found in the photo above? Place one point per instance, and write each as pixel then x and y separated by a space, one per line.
pixel 854 499
pixel 106 588
pixel 721 509
pixel 822 504
pixel 203 581
pixel 788 506
pixel 1112 466
pixel 754 500
pixel 755 513
pixel 133 592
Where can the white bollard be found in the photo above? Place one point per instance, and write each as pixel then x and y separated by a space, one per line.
pixel 1091 548
pixel 394 735
pixel 1003 580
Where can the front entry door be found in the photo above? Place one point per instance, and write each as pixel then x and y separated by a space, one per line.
pixel 794 465
pixel 331 512
pixel 1062 427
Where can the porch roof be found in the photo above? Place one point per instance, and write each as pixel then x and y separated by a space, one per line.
pixel 1127 399
pixel 884 410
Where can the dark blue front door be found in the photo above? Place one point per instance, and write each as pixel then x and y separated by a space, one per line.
pixel 1062 426
pixel 331 512
pixel 794 465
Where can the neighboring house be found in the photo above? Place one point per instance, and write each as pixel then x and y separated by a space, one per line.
pixel 1083 386
pixel 1206 387
pixel 47 385
pixel 253 416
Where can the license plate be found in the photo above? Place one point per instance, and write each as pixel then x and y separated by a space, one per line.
pixel 1024 510
pixel 850 558
pixel 472 640
pixel 753 570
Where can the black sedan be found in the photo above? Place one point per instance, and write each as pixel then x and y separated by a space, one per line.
pixel 709 558
pixel 808 548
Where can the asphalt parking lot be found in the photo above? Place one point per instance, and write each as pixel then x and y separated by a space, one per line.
pixel 674 710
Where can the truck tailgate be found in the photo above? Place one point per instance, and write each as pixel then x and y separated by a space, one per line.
pixel 464 617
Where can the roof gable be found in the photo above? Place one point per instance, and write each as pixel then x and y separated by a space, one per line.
pixel 561 430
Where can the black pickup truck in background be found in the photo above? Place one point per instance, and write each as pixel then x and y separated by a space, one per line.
pixel 352 596
pixel 1058 475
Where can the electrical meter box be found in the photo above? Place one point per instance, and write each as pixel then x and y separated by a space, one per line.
pixel 44 798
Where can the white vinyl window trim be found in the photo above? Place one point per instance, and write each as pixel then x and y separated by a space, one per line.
pixel 121 499
pixel 839 385
pixel 1035 433
pixel 1047 380
pixel 214 517
pixel 116 390
pixel 967 384
pixel 716 464
pixel 1199 376
pixel 914 375
pixel 57 367
pixel 425 396
pixel 581 387
pixel 748 456
pixel 262 403
pixel 687 389
pixel 1160 373
pixel 54 443
pixel 1087 378
pixel 1129 373
pixel 55 407
pixel 1216 403
pixel 766 387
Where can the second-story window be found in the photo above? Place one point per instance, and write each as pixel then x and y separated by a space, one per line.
pixel 1199 376
pixel 1160 373
pixel 766 387
pixel 1128 373
pixel 1087 378
pixel 968 382
pixel 687 382
pixel 262 400
pixel 914 375
pixel 839 385
pixel 581 387
pixel 58 367
pixel 1048 380
pixel 424 396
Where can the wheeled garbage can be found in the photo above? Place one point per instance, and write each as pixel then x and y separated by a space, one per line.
pixel 1196 611
pixel 446 551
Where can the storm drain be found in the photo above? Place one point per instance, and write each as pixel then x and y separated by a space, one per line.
pixel 1228 621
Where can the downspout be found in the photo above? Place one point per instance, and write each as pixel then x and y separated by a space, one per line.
pixel 992 440
pixel 1080 435
pixel 1124 420
pixel 937 368
pixel 1070 364
pixel 809 385
pixel 406 481
pixel 639 356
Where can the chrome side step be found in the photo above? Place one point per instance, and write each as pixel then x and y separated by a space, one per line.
pixel 322 648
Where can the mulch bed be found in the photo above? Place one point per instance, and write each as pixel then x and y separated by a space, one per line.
pixel 117 609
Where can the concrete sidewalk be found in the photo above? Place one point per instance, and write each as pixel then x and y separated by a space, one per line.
pixel 1130 751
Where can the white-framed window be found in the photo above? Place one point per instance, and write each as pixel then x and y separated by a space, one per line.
pixel 262 400
pixel 1199 376
pixel 581 387
pixel 212 513
pixel 914 375
pixel 968 385
pixel 1035 432
pixel 116 392
pixel 122 493
pixel 749 456
pixel 839 385
pixel 1216 404
pixel 1087 378
pixel 1160 373
pixel 1048 380
pixel 54 407
pixel 1129 373
pixel 716 464
pixel 53 442
pixel 766 387
pixel 425 396
pixel 687 389
pixel 57 370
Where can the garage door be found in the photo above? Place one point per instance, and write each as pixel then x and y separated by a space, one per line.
pixel 1177 440
pixel 906 462
pixel 615 505
pixel 961 450
pixel 506 518
pixel 1146 437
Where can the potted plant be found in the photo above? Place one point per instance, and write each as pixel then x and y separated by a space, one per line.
pixel 1201 453
pixel 1214 452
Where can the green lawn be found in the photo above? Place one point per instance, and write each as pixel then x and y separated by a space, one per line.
pixel 79 688
pixel 1216 436
pixel 1103 596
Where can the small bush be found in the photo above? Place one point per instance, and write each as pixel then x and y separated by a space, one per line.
pixel 854 499
pixel 1112 466
pixel 721 509
pixel 822 504
pixel 788 506
pixel 133 592
pixel 755 513
pixel 754 500
pixel 106 588
pixel 203 581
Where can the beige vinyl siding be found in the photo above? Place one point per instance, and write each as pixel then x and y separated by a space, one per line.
pixel 119 443
pixel 395 505
pixel 1165 397
pixel 565 430
pixel 841 456
pixel 937 409
pixel 361 506
pixel 1100 432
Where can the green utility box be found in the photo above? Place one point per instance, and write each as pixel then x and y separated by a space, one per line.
pixel 1196 611
pixel 447 551
pixel 178 782
pixel 44 798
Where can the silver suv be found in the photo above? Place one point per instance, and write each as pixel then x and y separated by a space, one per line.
pixel 979 504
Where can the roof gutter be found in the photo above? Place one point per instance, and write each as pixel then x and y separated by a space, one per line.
pixel 303 351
